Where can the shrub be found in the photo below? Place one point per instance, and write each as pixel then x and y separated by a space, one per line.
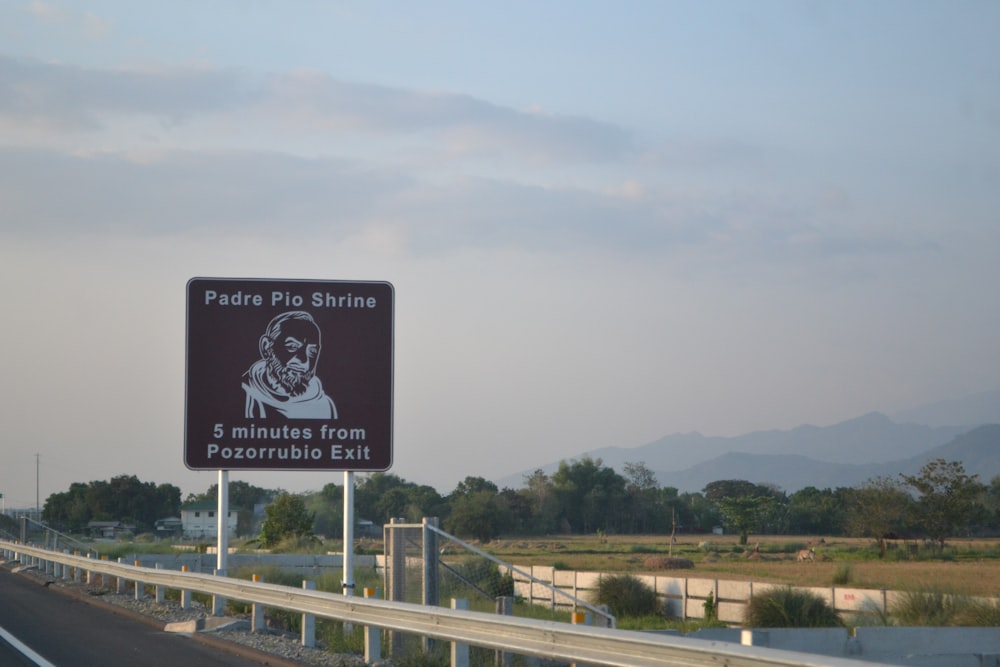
pixel 711 609
pixel 787 607
pixel 627 595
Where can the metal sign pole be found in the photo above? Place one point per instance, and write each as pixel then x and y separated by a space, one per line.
pixel 348 580
pixel 222 516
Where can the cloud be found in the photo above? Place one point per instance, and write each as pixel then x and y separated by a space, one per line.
pixel 71 98
pixel 87 24
pixel 77 99
pixel 177 192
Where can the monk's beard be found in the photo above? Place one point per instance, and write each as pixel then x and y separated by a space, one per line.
pixel 292 382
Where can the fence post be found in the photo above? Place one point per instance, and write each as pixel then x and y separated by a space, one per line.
pixel 459 651
pixel 395 576
pixel 308 620
pixel 257 611
pixel 429 596
pixel 373 637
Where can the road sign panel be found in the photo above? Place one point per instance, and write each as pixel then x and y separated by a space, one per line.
pixel 288 375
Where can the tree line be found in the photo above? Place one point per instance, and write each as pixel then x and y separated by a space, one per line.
pixel 582 497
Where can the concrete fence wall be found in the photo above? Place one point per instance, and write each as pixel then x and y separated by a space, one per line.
pixel 685 597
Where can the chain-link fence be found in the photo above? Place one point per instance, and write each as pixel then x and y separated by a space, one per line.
pixel 425 565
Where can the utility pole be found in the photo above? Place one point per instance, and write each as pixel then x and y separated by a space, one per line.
pixel 38 505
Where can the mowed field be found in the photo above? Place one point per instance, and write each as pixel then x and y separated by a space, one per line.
pixel 969 567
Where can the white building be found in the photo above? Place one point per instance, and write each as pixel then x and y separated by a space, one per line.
pixel 198 520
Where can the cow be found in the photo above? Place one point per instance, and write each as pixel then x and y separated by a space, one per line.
pixel 805 555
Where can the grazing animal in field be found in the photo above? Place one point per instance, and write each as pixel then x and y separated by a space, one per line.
pixel 805 555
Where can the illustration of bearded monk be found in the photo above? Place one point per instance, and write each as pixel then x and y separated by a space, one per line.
pixel 283 381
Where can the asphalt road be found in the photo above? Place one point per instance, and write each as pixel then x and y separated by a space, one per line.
pixel 68 631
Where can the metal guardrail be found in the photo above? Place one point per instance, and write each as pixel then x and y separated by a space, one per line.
pixel 530 637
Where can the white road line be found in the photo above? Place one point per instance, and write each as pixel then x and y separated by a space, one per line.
pixel 24 650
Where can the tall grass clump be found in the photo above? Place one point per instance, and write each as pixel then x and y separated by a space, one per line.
pixel 842 575
pixel 787 607
pixel 978 614
pixel 627 595
pixel 928 607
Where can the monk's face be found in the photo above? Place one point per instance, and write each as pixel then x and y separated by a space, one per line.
pixel 291 357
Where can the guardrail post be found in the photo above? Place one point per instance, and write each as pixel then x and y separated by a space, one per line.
pixel 373 637
pixel 120 583
pixel 185 593
pixel 308 620
pixel 505 607
pixel 160 591
pixel 459 651
pixel 104 577
pixel 218 602
pixel 139 586
pixel 257 610
pixel 90 573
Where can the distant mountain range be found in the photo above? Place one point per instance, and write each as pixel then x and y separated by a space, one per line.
pixel 844 454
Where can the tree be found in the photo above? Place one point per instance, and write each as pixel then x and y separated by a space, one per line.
pixel 479 514
pixel 370 500
pixel 327 507
pixel 640 497
pixel 541 500
pixel 878 509
pixel 123 498
pixel 947 498
pixel 743 504
pixel 286 517
pixel 812 511
pixel 471 485
pixel 590 496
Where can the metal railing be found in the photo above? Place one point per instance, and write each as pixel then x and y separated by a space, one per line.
pixel 529 637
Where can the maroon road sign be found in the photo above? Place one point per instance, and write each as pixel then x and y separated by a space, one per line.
pixel 288 375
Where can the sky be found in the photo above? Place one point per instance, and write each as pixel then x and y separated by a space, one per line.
pixel 604 222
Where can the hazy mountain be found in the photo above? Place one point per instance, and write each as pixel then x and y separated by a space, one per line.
pixel 844 454
pixel 872 438
pixel 978 450
pixel 983 408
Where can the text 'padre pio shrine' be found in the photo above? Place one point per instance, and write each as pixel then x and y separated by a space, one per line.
pixel 288 375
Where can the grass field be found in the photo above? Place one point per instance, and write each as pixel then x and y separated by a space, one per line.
pixel 966 566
